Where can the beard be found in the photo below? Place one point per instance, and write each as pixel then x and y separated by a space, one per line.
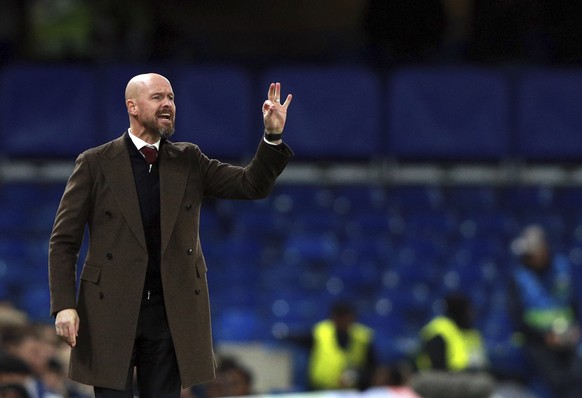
pixel 163 132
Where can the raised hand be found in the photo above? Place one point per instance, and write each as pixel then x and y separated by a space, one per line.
pixel 275 113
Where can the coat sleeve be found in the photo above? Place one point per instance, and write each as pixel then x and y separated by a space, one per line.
pixel 255 181
pixel 67 236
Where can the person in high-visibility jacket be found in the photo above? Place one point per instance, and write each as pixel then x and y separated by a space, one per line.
pixel 342 354
pixel 544 306
pixel 452 361
pixel 449 341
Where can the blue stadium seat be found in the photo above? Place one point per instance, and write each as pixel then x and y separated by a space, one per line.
pixel 35 301
pixel 568 198
pixel 239 325
pixel 448 113
pixel 335 112
pixel 467 198
pixel 217 110
pixel 549 121
pixel 48 108
pixel 359 199
pixel 312 247
pixel 430 223
pixel 299 198
pixel 370 224
pixel 412 198
pixel 536 198
pixel 315 221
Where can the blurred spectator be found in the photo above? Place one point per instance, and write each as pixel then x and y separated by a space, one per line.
pixel 341 351
pixel 543 305
pixel 55 380
pixel 18 380
pixel 11 316
pixel 232 380
pixel 24 343
pixel 453 360
pixel 450 342
pixel 13 391
pixel 394 380
pixel 13 370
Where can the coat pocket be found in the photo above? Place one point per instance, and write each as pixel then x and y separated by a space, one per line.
pixel 91 273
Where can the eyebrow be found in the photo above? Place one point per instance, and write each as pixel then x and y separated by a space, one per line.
pixel 171 94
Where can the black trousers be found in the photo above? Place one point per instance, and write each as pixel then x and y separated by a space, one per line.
pixel 153 357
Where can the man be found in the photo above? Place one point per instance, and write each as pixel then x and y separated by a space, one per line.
pixel 342 353
pixel 542 301
pixel 143 296
pixel 450 342
pixel 452 360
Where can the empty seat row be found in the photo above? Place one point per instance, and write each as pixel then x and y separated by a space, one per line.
pixel 338 112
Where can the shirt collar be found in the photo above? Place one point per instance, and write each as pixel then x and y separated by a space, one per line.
pixel 139 143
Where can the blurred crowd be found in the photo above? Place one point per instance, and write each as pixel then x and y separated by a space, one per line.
pixel 259 31
pixel 33 360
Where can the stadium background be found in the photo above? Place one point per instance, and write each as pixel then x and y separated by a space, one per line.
pixel 426 134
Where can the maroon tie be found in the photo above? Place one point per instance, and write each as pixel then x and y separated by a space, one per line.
pixel 150 153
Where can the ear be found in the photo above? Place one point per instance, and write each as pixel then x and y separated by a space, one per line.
pixel 131 107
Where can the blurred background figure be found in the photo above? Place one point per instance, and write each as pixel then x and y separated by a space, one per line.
pixel 13 391
pixel 33 356
pixel 543 305
pixel 450 342
pixel 14 376
pixel 23 343
pixel 393 380
pixel 232 380
pixel 453 361
pixel 341 351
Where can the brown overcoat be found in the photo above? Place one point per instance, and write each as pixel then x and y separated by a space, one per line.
pixel 101 195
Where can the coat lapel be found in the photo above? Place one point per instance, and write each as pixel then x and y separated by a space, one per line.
pixel 173 178
pixel 119 175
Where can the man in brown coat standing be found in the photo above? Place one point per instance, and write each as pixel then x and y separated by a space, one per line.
pixel 142 300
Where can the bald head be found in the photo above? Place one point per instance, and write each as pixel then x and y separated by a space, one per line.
pixel 532 247
pixel 138 83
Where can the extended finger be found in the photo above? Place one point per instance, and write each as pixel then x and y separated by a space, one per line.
pixel 271 92
pixel 287 101
pixel 277 92
pixel 71 333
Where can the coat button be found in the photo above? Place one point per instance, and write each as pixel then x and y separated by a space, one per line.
pixel 190 251
pixel 188 206
pixel 101 295
pixel 109 256
pixel 108 214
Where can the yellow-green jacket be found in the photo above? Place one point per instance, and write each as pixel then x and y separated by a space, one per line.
pixel 463 347
pixel 329 360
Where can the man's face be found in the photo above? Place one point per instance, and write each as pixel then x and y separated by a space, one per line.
pixel 156 110
pixel 344 322
pixel 539 258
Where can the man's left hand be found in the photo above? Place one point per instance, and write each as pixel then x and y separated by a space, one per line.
pixel 275 113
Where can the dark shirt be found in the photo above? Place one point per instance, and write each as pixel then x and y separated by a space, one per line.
pixel 147 183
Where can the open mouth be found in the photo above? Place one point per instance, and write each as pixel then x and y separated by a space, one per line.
pixel 165 116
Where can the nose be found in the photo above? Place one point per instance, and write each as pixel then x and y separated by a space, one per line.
pixel 168 102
